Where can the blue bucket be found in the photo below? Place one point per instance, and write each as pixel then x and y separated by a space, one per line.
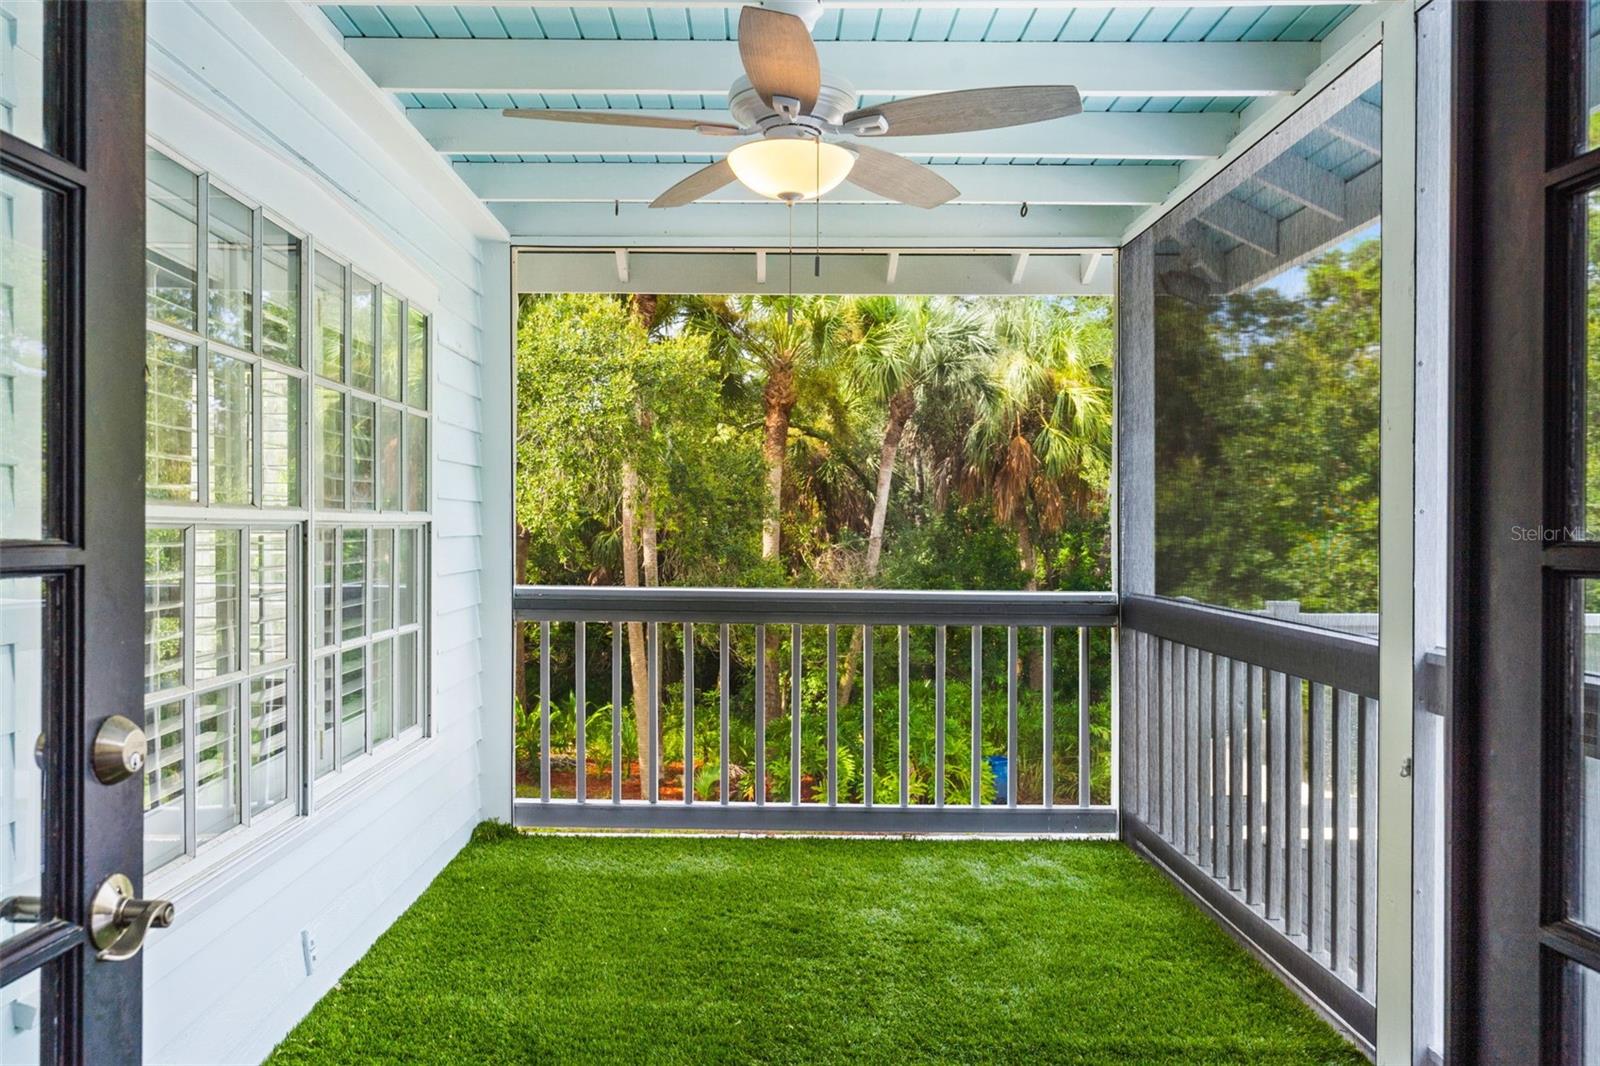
pixel 999 768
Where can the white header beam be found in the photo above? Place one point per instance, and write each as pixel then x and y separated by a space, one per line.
pixel 643 182
pixel 1221 69
pixel 1103 135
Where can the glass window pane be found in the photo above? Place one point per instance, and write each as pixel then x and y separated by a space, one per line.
pixel 405 682
pixel 390 369
pixel 280 293
pixel 171 240
pixel 216 602
pixel 1589 84
pixel 326 693
pixel 232 455
pixel 363 426
pixel 1584 812
pixel 216 757
pixel 1589 504
pixel 163 783
pixel 353 585
pixel 417 359
pixel 28 242
pixel 353 703
pixel 163 609
pixel 327 573
pixel 405 568
pixel 330 449
pixel 172 427
pixel 269 741
pixel 363 332
pixel 382 579
pixel 280 439
pixel 329 297
pixel 382 691
pixel 416 463
pixel 1580 1011
pixel 390 482
pixel 230 282
pixel 26 666
pixel 30 72
pixel 269 596
pixel 1267 330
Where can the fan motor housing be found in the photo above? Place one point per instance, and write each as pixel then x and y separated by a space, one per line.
pixel 748 109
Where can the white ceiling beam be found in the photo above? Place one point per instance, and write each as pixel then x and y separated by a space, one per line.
pixel 1243 223
pixel 1360 123
pixel 1303 182
pixel 1090 266
pixel 642 182
pixel 622 265
pixel 1019 267
pixel 1102 135
pixel 898 68
pixel 1308 233
pixel 843 225
pixel 894 268
pixel 873 5
pixel 857 274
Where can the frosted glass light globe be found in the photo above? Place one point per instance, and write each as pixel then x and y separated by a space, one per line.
pixel 791 168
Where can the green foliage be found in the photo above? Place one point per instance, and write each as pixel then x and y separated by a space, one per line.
pixel 494 831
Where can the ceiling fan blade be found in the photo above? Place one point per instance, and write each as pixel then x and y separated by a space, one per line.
pixel 779 57
pixel 702 182
pixel 898 178
pixel 621 118
pixel 971 109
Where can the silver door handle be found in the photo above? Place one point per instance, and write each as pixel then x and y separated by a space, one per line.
pixel 118 922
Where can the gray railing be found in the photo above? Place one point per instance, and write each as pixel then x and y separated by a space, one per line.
pixel 1248 761
pixel 857 785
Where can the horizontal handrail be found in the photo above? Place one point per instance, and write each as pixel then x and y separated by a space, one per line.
pixel 1343 660
pixel 735 606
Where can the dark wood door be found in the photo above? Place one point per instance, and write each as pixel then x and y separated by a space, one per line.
pixel 71 516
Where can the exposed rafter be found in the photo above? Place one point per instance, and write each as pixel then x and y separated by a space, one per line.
pixel 1306 233
pixel 1019 267
pixel 1090 266
pixel 642 182
pixel 859 5
pixel 1305 183
pixel 1360 123
pixel 1243 223
pixel 1090 136
pixel 1223 69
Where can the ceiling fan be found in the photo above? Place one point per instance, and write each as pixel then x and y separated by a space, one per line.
pixel 797 112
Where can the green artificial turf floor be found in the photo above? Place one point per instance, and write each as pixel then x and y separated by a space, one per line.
pixel 696 950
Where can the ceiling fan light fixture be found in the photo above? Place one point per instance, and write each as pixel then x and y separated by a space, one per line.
pixel 791 168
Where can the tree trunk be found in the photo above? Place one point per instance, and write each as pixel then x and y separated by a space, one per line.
pixel 636 648
pixel 901 407
pixel 647 542
pixel 778 400
pixel 1029 561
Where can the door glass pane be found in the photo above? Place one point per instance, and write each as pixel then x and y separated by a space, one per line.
pixel 1584 801
pixel 389 478
pixel 353 703
pixel 330 452
pixel 382 691
pixel 1589 504
pixel 1580 1010
pixel 353 586
pixel 280 293
pixel 329 296
pixel 163 609
pixel 25 674
pixel 230 271
pixel 280 439
pixel 405 682
pixel 19 1001
pixel 327 573
pixel 1589 84
pixel 216 602
pixel 390 371
pixel 269 741
pixel 363 332
pixel 362 461
pixel 30 73
pixel 163 783
pixel 171 240
pixel 216 754
pixel 326 693
pixel 172 427
pixel 269 596
pixel 416 463
pixel 28 221
pixel 232 455
pixel 382 579
pixel 405 569
pixel 417 359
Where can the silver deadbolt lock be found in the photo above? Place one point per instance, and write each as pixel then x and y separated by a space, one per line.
pixel 118 922
pixel 118 750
